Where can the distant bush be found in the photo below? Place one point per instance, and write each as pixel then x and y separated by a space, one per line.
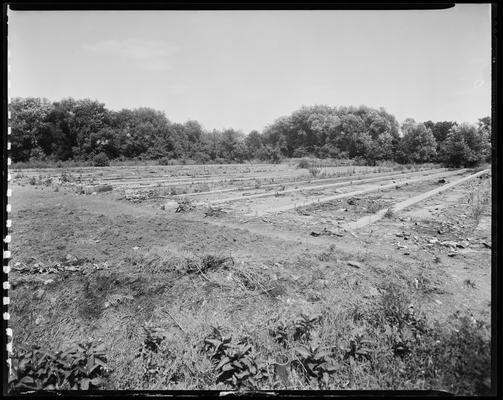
pixel 101 160
pixel 103 188
pixel 164 161
pixel 465 146
pixel 202 158
pixel 304 164
pixel 314 171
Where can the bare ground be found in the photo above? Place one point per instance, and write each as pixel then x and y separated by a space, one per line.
pixel 133 270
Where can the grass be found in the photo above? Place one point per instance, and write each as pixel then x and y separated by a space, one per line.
pixel 198 341
pixel 176 319
pixel 479 197
pixel 389 213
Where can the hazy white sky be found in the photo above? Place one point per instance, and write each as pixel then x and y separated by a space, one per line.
pixel 243 69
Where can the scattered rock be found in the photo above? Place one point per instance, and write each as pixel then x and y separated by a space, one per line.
pixel 354 264
pixel 433 241
pixel 469 283
pixel 70 258
pixel 48 281
pixel 326 232
pixel 170 204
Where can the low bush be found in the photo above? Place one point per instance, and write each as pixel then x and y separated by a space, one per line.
pixel 101 160
pixel 164 161
pixel 314 171
pixel 304 164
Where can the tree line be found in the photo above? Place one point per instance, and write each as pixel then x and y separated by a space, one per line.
pixel 85 129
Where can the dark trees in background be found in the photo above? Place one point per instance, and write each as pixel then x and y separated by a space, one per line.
pixel 485 131
pixel 253 142
pixel 29 128
pixel 466 146
pixel 440 131
pixel 418 145
pixel 87 130
pixel 322 131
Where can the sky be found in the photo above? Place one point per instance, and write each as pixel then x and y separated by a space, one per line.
pixel 244 69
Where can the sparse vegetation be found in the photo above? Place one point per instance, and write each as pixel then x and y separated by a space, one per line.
pixel 389 213
pixel 186 302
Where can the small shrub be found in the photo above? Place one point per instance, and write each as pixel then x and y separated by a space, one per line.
pixel 65 177
pixel 314 360
pixel 103 188
pixel 359 349
pixel 314 171
pixel 184 205
pixel 32 181
pixel 164 161
pixel 101 160
pixel 280 334
pixel 234 363
pixel 374 206
pixel 304 325
pixel 389 213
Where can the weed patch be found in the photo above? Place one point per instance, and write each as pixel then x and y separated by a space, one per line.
pixel 81 367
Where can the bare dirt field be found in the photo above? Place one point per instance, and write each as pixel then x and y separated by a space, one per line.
pixel 246 276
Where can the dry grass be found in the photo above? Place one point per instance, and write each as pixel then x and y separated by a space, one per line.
pixel 155 312
pixel 479 197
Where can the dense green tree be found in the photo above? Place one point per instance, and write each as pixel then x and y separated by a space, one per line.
pixel 440 130
pixel 253 142
pixel 466 146
pixel 418 145
pixel 81 129
pixel 29 123
pixel 485 131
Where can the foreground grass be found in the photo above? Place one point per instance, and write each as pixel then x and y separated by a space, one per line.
pixel 165 322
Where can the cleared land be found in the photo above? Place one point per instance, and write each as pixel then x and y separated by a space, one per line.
pixel 249 276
